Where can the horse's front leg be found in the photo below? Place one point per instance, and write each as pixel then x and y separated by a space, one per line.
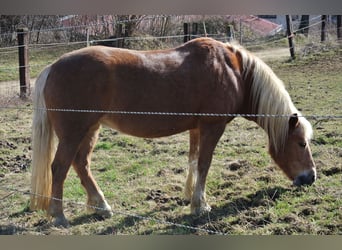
pixel 193 162
pixel 209 136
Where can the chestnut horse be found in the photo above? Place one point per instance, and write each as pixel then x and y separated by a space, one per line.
pixel 201 76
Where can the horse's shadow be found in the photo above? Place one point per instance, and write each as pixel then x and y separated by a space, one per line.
pixel 262 197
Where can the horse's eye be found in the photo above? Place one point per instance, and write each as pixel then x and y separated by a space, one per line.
pixel 302 144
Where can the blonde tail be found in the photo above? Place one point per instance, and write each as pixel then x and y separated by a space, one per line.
pixel 43 148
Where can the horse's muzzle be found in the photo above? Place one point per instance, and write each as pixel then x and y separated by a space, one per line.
pixel 306 178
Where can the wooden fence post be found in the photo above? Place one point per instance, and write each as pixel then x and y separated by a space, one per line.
pixel 339 28
pixel 205 29
pixel 241 31
pixel 290 36
pixel 323 32
pixel 186 32
pixel 24 71
pixel 119 43
pixel 230 33
pixel 194 30
pixel 88 42
pixel 304 25
pixel 126 33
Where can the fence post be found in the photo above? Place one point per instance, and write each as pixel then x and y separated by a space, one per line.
pixel 323 32
pixel 24 71
pixel 194 31
pixel 304 25
pixel 186 32
pixel 241 31
pixel 290 36
pixel 88 42
pixel 339 28
pixel 119 35
pixel 205 29
pixel 230 33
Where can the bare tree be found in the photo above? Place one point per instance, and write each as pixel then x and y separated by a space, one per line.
pixel 130 22
pixel 8 25
pixel 35 23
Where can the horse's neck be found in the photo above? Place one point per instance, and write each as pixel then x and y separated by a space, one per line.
pixel 268 102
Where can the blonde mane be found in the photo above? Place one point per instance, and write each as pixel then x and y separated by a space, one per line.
pixel 270 98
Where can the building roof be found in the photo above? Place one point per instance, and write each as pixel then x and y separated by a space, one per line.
pixel 260 25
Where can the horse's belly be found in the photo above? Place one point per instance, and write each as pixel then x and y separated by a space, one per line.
pixel 149 126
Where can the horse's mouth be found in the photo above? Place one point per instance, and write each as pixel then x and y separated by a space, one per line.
pixel 305 179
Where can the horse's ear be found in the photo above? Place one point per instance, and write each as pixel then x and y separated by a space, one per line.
pixel 293 122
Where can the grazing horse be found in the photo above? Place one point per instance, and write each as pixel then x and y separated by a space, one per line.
pixel 201 76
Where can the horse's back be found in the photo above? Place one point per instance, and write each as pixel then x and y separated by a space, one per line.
pixel 187 79
pixel 125 78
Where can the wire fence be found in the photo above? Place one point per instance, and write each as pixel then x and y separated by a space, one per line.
pixel 300 42
pixel 10 89
pixel 314 36
pixel 151 113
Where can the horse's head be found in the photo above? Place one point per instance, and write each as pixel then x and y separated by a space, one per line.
pixel 296 159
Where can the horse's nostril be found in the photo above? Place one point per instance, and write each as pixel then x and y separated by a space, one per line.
pixel 305 179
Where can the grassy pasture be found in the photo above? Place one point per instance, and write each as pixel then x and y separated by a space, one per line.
pixel 144 179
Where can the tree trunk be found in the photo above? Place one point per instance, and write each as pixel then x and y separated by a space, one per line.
pixel 304 25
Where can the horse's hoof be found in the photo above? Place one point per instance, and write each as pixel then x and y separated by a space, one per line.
pixel 198 211
pixel 105 211
pixel 61 221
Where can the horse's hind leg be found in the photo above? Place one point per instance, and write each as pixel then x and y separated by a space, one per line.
pixel 193 161
pixel 81 164
pixel 65 153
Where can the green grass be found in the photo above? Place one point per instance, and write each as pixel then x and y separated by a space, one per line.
pixel 145 177
pixel 39 57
